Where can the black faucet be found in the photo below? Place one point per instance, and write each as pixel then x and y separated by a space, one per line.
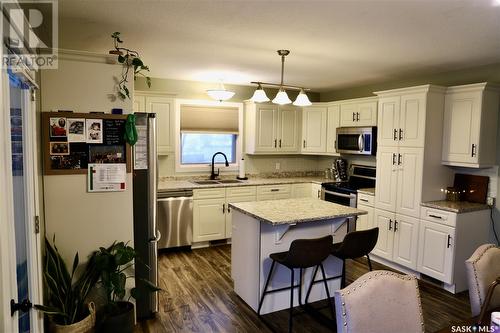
pixel 215 175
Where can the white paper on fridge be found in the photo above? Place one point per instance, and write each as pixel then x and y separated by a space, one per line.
pixel 106 177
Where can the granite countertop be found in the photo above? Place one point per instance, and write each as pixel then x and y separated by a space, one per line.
pixel 291 211
pixel 455 206
pixel 369 191
pixel 170 185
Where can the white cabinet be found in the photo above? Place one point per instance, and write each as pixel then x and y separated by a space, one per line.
pixel 365 202
pixel 470 125
pixel 316 190
pixel 270 129
pixel 274 192
pixel 386 179
pixel 333 117
pixel 234 195
pixel 398 238
pixel 164 109
pixel 358 113
pixel 314 125
pixel 302 190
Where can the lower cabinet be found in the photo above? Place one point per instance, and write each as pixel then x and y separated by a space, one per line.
pixel 316 190
pixel 302 190
pixel 365 202
pixel 397 239
pixel 274 192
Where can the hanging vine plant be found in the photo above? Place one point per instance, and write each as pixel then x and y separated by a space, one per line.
pixel 131 61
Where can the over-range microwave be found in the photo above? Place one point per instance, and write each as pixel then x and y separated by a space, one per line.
pixel 357 140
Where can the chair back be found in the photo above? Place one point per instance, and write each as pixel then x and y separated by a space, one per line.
pixel 358 244
pixel 483 267
pixel 305 253
pixel 379 302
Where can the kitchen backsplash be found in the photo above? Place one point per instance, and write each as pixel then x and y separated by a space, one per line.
pixel 489 172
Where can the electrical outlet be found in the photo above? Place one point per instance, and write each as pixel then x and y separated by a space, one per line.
pixel 490 201
pixel 278 165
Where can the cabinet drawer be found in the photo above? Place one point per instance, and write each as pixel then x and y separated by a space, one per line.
pixel 241 191
pixel 438 216
pixel 209 193
pixel 366 199
pixel 273 189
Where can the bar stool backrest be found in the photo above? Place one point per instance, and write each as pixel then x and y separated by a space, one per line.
pixel 357 244
pixel 305 253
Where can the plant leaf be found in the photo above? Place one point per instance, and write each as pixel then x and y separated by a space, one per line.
pixel 148 81
pixel 75 265
pixel 49 310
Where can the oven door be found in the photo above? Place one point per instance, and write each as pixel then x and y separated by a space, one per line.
pixel 339 198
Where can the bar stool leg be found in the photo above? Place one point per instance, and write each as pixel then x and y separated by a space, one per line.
pixel 369 262
pixel 327 291
pixel 310 286
pixel 300 287
pixel 265 287
pixel 290 318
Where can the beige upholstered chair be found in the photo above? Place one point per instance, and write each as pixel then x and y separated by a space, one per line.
pixel 483 267
pixel 379 302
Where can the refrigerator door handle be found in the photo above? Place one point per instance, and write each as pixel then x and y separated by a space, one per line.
pixel 157 237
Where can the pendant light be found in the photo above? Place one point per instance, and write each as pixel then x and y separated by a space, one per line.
pixel 281 97
pixel 220 94
pixel 259 95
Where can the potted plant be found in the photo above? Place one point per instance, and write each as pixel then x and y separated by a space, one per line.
pixel 66 294
pixel 113 264
pixel 130 59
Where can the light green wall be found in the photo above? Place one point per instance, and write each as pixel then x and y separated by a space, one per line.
pixel 487 73
pixel 196 90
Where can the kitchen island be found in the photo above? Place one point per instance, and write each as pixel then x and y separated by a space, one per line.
pixel 264 227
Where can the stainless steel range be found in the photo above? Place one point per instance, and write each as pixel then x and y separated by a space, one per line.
pixel 345 193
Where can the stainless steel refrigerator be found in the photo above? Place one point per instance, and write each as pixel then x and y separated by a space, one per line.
pixel 146 233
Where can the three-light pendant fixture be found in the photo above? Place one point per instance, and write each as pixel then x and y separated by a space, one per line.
pixel 259 96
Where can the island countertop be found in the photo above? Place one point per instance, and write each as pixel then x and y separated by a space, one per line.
pixel 291 211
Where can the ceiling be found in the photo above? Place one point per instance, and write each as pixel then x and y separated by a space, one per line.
pixel 334 44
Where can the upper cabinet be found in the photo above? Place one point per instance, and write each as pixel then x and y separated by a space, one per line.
pixel 163 106
pixel 314 124
pixel 358 113
pixel 470 125
pixel 271 129
pixel 333 119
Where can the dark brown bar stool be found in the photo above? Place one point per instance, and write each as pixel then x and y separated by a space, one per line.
pixel 356 244
pixel 303 253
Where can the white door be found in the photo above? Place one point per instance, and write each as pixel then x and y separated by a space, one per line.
pixel 288 138
pixel 367 114
pixel 405 241
pixel 20 255
pixel 388 121
pixel 435 250
pixel 266 131
pixel 348 115
pixel 314 129
pixel 164 109
pixel 333 116
pixel 462 121
pixel 385 223
pixel 365 222
pixel 387 178
pixel 409 189
pixel 411 132
pixel 209 219
pixel 229 214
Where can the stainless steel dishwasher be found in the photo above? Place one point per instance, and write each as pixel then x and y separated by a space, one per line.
pixel 175 218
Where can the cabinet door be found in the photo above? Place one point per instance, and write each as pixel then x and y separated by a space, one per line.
pixel 365 222
pixel 301 190
pixel 385 223
pixel 388 121
pixel 229 214
pixel 333 116
pixel 209 219
pixel 267 128
pixel 164 109
pixel 288 138
pixel 411 132
pixel 139 104
pixel 366 114
pixel 387 177
pixel 435 250
pixel 462 121
pixel 314 129
pixel 409 192
pixel 348 115
pixel 316 191
pixel 405 247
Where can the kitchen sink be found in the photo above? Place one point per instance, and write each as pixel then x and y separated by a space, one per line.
pixel 204 182
pixel 229 181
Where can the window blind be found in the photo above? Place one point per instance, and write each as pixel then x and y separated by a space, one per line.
pixel 209 119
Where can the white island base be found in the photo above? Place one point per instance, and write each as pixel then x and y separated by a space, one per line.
pixel 252 243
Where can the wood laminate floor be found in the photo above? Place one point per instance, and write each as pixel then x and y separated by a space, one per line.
pixel 198 296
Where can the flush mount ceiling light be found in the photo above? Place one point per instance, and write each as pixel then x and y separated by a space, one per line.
pixel 281 98
pixel 220 94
